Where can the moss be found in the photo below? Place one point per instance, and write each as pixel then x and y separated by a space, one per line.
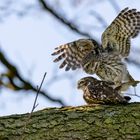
pixel 84 122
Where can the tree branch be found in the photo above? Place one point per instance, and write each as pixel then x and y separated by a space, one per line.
pixel 75 123
pixel 133 62
pixel 115 5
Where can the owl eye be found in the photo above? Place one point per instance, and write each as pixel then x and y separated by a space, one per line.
pixel 81 82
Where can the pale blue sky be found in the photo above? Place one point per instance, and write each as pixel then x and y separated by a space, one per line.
pixel 28 43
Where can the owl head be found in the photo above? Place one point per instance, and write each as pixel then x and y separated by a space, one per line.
pixel 82 83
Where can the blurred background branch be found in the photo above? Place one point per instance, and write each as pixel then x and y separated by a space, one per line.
pixel 62 19
pixel 13 80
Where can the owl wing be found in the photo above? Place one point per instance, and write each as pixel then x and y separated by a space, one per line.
pixel 124 27
pixel 72 53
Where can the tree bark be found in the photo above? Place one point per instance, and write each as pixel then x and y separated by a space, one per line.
pixel 98 122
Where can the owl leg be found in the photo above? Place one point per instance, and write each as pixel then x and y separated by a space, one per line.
pixel 124 86
pixel 129 81
pixel 132 81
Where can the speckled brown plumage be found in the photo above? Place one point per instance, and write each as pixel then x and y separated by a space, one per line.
pixel 100 92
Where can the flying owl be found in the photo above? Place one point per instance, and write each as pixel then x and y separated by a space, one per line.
pixel 104 60
pixel 100 92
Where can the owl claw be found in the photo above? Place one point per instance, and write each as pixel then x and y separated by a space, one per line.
pixel 135 83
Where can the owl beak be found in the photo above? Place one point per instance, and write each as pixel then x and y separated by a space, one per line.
pixel 78 86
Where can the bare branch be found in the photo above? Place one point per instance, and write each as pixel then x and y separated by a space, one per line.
pixel 34 106
pixel 133 62
pixel 63 20
pixel 13 74
pixel 99 18
pixel 115 5
pixel 38 90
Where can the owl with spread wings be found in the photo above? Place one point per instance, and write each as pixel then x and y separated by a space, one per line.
pixel 106 60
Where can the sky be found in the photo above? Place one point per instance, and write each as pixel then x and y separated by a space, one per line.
pixel 28 43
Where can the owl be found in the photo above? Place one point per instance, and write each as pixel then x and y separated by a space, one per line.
pixel 106 60
pixel 109 67
pixel 100 92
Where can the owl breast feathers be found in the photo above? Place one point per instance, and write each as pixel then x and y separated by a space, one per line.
pixel 104 60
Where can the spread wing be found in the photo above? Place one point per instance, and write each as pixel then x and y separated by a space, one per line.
pixel 72 53
pixel 124 27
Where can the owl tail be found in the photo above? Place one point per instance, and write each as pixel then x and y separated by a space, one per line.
pixel 127 98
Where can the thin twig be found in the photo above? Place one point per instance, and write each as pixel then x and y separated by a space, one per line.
pixel 34 105
pixel 115 5
pixel 13 73
pixel 135 94
pixel 38 90
pixel 99 18
pixel 133 62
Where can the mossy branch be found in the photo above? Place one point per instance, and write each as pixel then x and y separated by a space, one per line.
pixel 75 123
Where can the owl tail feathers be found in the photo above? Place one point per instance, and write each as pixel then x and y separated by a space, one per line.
pixel 125 100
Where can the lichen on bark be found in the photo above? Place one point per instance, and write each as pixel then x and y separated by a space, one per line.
pixel 75 123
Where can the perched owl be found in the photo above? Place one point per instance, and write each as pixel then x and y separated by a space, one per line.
pixel 106 60
pixel 100 92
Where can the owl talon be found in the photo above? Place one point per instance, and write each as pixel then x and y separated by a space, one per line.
pixel 135 83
